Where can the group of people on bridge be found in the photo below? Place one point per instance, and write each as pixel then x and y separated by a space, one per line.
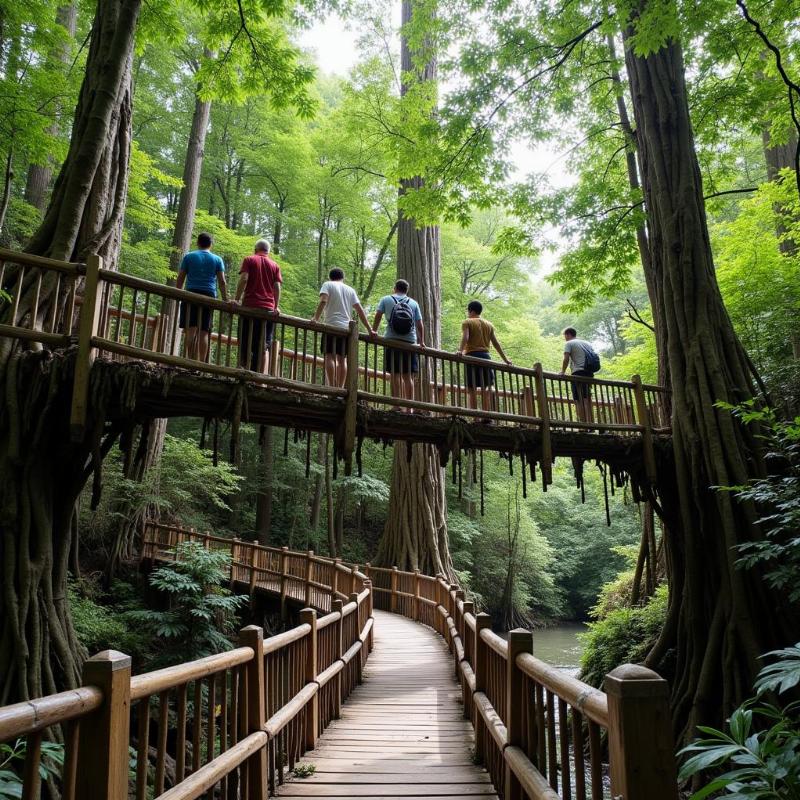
pixel 259 287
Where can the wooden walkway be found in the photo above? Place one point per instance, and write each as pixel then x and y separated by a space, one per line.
pixel 402 733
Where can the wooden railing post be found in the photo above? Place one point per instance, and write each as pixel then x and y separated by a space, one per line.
pixel 309 574
pixel 643 413
pixel 284 579
pixel 253 637
pixel 309 616
pixel 103 758
pixel 336 606
pixel 351 400
pixel 252 562
pixel 479 668
pixel 640 743
pixel 354 579
pixel 335 587
pixel 88 322
pixel 234 548
pixel 416 596
pixel 354 599
pixel 519 641
pixel 393 600
pixel 544 415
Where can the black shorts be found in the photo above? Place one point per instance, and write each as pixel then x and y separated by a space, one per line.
pixel 255 336
pixel 334 345
pixel 479 377
pixel 580 390
pixel 198 316
pixel 401 361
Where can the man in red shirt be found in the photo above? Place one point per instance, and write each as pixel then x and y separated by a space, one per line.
pixel 259 287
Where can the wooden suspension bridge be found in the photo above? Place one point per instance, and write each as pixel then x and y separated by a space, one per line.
pixel 113 320
pixel 390 685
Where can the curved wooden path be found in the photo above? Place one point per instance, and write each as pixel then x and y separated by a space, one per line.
pixel 402 733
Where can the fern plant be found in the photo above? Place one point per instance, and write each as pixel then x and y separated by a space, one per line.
pixel 761 746
pixel 202 612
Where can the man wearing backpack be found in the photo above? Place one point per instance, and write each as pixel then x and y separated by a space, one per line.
pixel 403 324
pixel 580 355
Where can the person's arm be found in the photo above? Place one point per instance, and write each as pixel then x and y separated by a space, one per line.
pixel 181 279
pixel 223 285
pixel 362 315
pixel 323 300
pixel 500 349
pixel 240 287
pixel 278 286
pixel 377 321
pixel 464 338
pixel 565 363
pixel 420 334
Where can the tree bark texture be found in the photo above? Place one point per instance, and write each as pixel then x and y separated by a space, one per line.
pixel 720 617
pixel 779 157
pixel 40 175
pixel 415 535
pixel 41 474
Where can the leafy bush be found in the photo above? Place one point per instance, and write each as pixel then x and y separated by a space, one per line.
pixel 12 760
pixel 622 636
pixel 762 742
pixel 777 497
pixel 201 612
pixel 100 627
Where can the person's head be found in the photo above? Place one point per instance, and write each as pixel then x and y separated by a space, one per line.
pixel 401 286
pixel 262 246
pixel 204 241
pixel 336 274
pixel 570 333
pixel 475 309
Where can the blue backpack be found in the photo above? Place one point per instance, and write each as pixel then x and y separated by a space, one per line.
pixel 591 361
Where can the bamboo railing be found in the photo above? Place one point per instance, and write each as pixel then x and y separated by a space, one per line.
pixel 124 317
pixel 226 726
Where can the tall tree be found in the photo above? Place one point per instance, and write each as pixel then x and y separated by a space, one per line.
pixel 721 618
pixel 415 535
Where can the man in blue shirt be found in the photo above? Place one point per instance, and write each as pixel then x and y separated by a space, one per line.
pixel 201 271
pixel 403 324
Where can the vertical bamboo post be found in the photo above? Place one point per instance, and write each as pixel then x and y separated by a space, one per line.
pixel 640 745
pixel 88 322
pixel 643 413
pixel 393 600
pixel 480 665
pixel 253 637
pixel 284 579
pixel 309 616
pixel 416 596
pixel 544 415
pixel 309 576
pixel 351 399
pixel 102 772
pixel 519 641
pixel 336 607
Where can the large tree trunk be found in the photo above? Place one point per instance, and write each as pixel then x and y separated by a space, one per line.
pixel 415 535
pixel 40 175
pixel 720 617
pixel 41 477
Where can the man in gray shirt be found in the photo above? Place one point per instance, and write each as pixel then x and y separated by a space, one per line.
pixel 403 324
pixel 575 356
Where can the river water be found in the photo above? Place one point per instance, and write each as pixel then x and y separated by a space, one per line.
pixel 559 645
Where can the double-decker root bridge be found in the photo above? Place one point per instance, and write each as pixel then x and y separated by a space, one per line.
pixel 120 325
pixel 391 685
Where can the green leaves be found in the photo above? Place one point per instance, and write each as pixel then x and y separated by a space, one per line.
pixel 783 674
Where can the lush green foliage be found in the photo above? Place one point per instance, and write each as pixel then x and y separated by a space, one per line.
pixel 761 744
pixel 12 760
pixel 201 612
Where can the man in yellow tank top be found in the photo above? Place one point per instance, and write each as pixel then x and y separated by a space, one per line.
pixel 477 335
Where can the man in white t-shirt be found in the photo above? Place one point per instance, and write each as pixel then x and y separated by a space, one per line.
pixel 336 303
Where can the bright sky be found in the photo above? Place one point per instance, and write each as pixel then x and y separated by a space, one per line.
pixel 337 51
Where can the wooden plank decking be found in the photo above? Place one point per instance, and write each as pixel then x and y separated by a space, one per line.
pixel 402 733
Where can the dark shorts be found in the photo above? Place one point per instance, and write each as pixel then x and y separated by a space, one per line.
pixel 334 345
pixel 580 391
pixel 255 336
pixel 195 316
pixel 401 361
pixel 479 377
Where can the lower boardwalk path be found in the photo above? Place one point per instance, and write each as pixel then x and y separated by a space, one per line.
pixel 402 733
